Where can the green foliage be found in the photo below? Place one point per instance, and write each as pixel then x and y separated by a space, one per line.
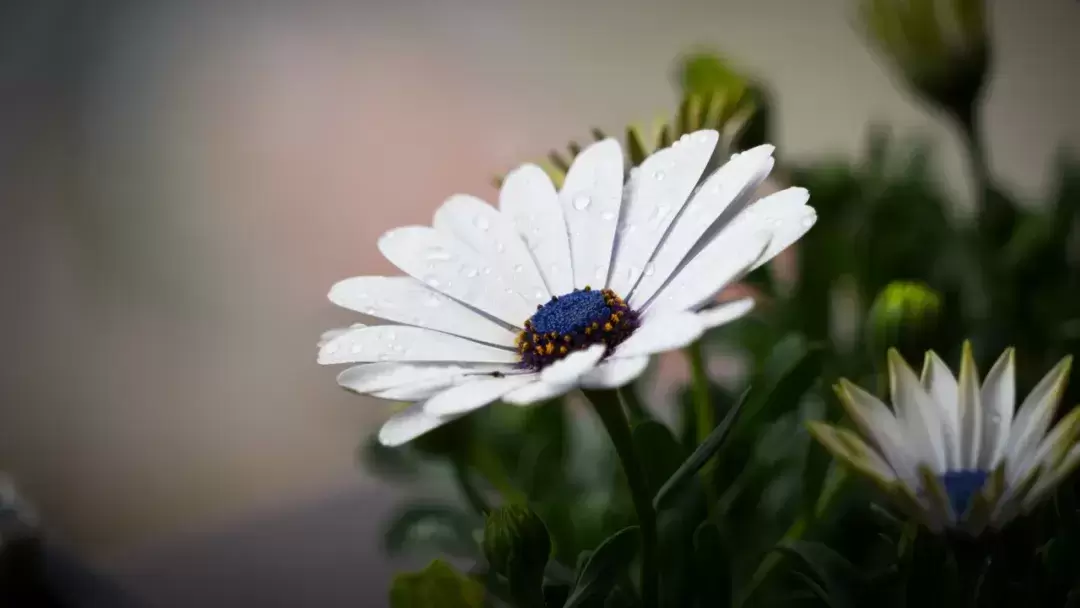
pixel 773 520
pixel 437 585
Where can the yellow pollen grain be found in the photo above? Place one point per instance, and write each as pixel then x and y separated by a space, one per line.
pixel 562 350
pixel 549 348
pixel 607 326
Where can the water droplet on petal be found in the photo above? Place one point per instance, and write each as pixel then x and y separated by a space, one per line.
pixel 808 221
pixel 701 136
pixel 432 301
pixel 500 247
pixel 554 270
pixel 659 176
pixel 391 336
pixel 487 270
pixel 581 202
pixel 539 295
pixel 631 273
pixel 438 253
pixel 482 223
pixel 601 272
pixel 608 215
pixel 331 348
pixel 432 281
pixel 471 272
pixel 357 348
pixel 518 268
pixel 650 269
pixel 370 310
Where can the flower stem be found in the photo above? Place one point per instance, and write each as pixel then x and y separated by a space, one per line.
pixel 607 406
pixel 468 489
pixel 705 415
pixel 633 404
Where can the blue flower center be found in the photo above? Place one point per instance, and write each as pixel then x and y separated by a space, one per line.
pixel 572 322
pixel 961 487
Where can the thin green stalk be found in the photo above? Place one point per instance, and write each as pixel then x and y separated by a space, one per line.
pixel 705 415
pixel 488 466
pixel 468 489
pixel 770 561
pixel 633 405
pixel 607 406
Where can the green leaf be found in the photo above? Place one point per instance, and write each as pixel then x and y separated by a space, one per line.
pixel 604 566
pixel 701 455
pixel 664 452
pixel 788 391
pixel 839 579
pixel 437 586
pixel 713 564
pixel 432 528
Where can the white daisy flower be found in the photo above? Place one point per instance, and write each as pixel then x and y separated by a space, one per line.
pixel 560 289
pixel 953 453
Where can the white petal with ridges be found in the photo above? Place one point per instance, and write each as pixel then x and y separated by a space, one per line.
pixel 722 262
pixel 1034 415
pixel 917 413
pixel 725 313
pixel 401 343
pixel 938 381
pixel 529 199
pixel 723 195
pixel 969 404
pixel 615 373
pixel 409 424
pixel 786 215
pixel 406 300
pixel 591 197
pixel 998 398
pixel 568 369
pixel 660 188
pixel 536 392
pixel 661 333
pixel 495 238
pixel 876 422
pixel 473 395
pixel 1050 449
pixel 376 377
pixel 449 266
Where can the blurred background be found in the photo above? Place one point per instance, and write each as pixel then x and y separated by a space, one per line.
pixel 181 182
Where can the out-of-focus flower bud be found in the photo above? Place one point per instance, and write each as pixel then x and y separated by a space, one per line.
pixel 905 316
pixel 939 46
pixel 517 545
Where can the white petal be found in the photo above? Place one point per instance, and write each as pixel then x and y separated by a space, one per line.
pixel 494 237
pixel 410 424
pixel 615 373
pixel 446 265
pixel 725 313
pixel 998 397
pixel 415 392
pixel 377 377
pixel 661 333
pixel 330 334
pixel 915 411
pixel 568 369
pixel 970 406
pixel 401 343
pixel 470 396
pixel 591 196
pixel 659 189
pixel 1049 450
pixel 528 197
pixel 723 195
pixel 726 259
pixel 940 384
pixel 786 215
pixel 536 392
pixel 876 422
pixel 1035 413
pixel 1049 481
pixel 406 300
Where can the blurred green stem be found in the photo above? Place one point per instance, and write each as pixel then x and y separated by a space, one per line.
pixel 771 559
pixel 706 417
pixel 633 404
pixel 465 484
pixel 487 464
pixel 607 406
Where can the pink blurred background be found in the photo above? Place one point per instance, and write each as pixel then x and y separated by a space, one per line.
pixel 180 184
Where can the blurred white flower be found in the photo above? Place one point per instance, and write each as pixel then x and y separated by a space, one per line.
pixel 951 452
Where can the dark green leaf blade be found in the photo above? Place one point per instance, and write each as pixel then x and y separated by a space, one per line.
pixel 702 454
pixel 604 565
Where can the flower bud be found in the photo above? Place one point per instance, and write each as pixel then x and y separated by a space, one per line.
pixel 517 545
pixel 939 46
pixel 905 316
